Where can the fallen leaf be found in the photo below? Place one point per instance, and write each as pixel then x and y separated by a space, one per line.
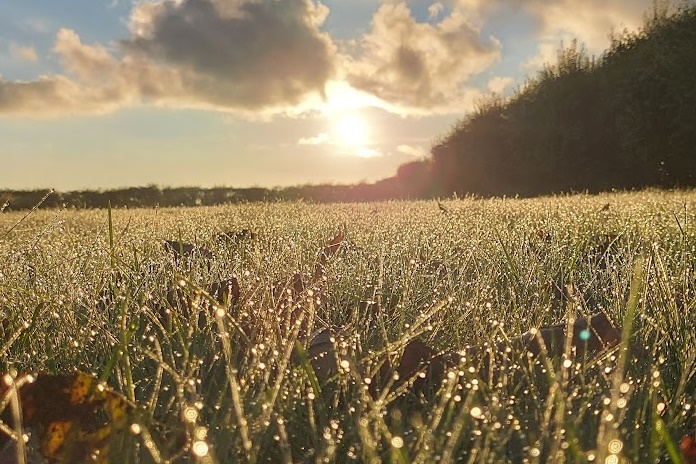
pixel 75 418
pixel 187 250
pixel 687 445
pixel 590 334
pixel 329 252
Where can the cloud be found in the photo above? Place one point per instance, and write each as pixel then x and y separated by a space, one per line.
pixel 367 152
pixel 318 139
pixel 95 82
pixel 435 9
pixel 250 56
pixel 420 67
pixel 417 151
pixel 90 63
pixel 589 21
pixel 23 52
pixel 51 96
pixel 547 53
pixel 498 84
pixel 264 57
pixel 37 25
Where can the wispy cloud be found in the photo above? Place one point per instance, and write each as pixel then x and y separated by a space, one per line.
pixel 318 139
pixel 546 54
pixel 367 152
pixel 499 84
pixel 24 53
pixel 412 150
pixel 435 9
pixel 589 21
pixel 37 25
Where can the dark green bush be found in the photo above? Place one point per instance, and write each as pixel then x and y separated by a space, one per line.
pixel 625 120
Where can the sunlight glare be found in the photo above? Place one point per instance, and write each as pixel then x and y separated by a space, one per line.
pixel 350 130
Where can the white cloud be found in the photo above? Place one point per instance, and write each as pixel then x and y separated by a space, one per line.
pixel 91 63
pixel 589 21
pixel 259 57
pixel 420 67
pixel 248 55
pixel 435 9
pixel 547 53
pixel 367 152
pixel 52 96
pixel 499 84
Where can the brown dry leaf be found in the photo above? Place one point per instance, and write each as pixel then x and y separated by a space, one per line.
pixel 187 250
pixel 588 335
pixel 329 251
pixel 74 417
pixel 687 445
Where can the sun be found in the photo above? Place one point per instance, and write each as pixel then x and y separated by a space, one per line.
pixel 350 130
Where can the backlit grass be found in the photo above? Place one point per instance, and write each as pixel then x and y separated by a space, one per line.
pixel 75 296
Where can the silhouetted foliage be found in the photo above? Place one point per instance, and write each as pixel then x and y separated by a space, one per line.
pixel 625 120
pixel 152 196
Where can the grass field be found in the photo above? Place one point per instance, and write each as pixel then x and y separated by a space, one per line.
pixel 80 292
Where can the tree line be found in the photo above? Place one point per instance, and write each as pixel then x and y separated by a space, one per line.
pixel 154 196
pixel 624 120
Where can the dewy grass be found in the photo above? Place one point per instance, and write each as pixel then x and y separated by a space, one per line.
pixel 80 290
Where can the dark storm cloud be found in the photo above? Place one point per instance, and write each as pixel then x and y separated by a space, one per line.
pixel 245 54
pixel 249 56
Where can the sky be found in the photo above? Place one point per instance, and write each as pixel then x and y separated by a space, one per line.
pixel 101 94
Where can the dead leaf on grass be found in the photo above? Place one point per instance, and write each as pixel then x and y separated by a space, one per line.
pixel 74 417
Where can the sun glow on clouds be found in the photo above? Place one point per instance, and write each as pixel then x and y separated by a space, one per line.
pixel 349 132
